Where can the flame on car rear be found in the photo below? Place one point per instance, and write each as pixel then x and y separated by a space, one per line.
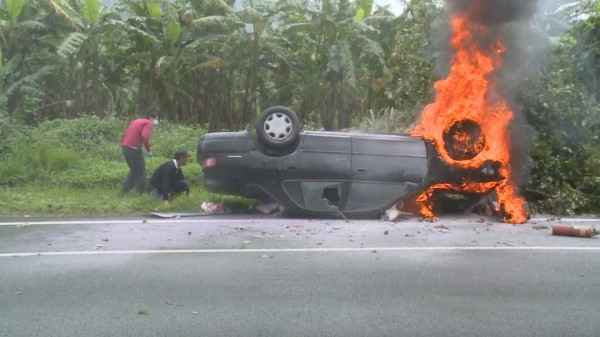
pixel 469 95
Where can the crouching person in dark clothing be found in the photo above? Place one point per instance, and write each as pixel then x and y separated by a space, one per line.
pixel 168 178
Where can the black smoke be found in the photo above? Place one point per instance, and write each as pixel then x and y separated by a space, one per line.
pixel 495 12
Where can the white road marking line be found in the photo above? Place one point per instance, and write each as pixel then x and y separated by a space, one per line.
pixel 567 219
pixel 140 221
pixel 295 250
pixel 262 220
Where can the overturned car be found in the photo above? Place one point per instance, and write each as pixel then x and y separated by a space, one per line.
pixel 324 173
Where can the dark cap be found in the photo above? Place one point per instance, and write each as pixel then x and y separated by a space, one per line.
pixel 152 114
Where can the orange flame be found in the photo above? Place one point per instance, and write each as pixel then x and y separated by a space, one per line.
pixel 469 94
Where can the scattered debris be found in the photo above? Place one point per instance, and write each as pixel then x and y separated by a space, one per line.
pixel 213 207
pixel 577 231
pixel 143 312
pixel 487 206
pixel 442 228
pixel 540 227
pixel 18 293
pixel 195 313
pixel 270 208
pixel 386 232
pixel 333 207
pixel 394 212
pixel 174 304
pixel 96 247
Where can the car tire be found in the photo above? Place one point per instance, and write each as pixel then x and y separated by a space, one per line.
pixel 278 127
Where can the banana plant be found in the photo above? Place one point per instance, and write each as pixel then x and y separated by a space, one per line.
pixel 155 54
pixel 27 63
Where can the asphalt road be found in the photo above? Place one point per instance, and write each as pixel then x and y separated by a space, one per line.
pixel 268 276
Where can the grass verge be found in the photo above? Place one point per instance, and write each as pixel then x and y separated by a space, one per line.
pixel 61 201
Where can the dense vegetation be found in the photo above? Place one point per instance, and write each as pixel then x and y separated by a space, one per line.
pixel 74 72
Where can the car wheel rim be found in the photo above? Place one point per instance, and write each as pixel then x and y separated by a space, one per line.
pixel 464 140
pixel 278 126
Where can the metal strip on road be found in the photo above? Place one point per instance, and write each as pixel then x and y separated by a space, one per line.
pixel 296 250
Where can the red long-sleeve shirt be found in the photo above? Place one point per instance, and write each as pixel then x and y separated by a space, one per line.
pixel 138 133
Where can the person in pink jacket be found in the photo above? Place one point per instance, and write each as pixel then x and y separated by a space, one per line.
pixel 135 136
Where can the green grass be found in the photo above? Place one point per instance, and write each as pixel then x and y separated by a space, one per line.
pixel 59 201
pixel 75 167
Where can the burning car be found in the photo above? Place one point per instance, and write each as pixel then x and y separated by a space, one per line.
pixel 461 146
pixel 324 173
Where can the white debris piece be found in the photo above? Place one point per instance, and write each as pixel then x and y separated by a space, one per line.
pixel 213 207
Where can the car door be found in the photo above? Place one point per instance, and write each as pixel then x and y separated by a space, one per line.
pixel 384 169
pixel 317 175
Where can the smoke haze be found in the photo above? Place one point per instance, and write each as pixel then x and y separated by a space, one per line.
pixel 494 12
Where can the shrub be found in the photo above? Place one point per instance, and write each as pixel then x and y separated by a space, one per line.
pixel 89 135
pixel 12 134
pixel 85 152
pixel 37 163
pixel 168 138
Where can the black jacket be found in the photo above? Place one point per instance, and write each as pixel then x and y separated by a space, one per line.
pixel 165 178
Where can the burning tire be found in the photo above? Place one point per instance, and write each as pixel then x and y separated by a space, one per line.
pixel 464 140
